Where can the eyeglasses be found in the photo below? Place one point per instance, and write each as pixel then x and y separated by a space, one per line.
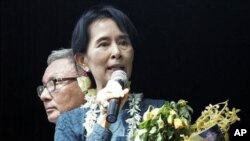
pixel 51 85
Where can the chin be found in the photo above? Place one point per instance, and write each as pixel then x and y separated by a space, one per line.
pixel 52 118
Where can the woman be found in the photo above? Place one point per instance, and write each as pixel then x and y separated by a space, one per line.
pixel 103 42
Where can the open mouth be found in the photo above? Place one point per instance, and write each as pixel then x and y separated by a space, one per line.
pixel 115 68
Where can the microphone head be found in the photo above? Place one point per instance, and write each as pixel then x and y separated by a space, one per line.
pixel 119 75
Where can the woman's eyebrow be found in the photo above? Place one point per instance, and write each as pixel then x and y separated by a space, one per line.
pixel 123 36
pixel 101 39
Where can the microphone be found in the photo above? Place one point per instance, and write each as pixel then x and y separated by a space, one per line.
pixel 114 104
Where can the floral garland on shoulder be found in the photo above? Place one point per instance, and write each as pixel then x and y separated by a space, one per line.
pixel 134 112
pixel 93 108
pixel 93 112
pixel 90 96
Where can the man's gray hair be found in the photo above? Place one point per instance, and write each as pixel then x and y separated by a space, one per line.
pixel 61 54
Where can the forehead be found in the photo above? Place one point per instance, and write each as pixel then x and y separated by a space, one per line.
pixel 59 67
pixel 103 26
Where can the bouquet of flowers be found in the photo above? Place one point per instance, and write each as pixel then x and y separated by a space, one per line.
pixel 172 122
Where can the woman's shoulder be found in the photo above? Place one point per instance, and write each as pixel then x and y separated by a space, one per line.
pixel 149 101
pixel 146 102
pixel 153 102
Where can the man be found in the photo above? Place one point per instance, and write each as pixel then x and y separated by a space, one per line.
pixel 60 91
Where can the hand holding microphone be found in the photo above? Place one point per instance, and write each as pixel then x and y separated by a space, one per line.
pixel 112 97
pixel 114 103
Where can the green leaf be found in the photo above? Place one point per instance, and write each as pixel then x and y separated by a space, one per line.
pixel 144 124
pixel 170 134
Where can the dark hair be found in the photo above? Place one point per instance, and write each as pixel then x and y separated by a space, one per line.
pixel 81 35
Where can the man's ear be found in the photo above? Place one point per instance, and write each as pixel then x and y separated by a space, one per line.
pixel 81 61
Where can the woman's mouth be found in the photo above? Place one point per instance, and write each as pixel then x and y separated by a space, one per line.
pixel 115 67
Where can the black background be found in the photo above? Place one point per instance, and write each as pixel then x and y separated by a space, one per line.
pixel 195 50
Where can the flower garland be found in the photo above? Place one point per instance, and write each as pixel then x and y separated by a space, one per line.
pixel 90 96
pixel 93 108
pixel 93 112
pixel 133 111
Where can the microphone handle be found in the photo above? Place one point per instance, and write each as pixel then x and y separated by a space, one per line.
pixel 112 112
pixel 114 105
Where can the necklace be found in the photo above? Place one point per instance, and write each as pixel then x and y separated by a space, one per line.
pixel 93 111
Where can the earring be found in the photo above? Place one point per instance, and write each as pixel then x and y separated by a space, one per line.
pixel 86 69
pixel 84 83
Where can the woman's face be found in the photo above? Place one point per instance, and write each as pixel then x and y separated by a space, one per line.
pixel 109 49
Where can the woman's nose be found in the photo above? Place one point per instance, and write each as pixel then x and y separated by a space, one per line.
pixel 115 52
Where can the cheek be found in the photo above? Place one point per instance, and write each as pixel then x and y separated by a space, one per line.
pixel 129 60
pixel 69 97
pixel 97 60
pixel 130 57
pixel 130 53
pixel 62 102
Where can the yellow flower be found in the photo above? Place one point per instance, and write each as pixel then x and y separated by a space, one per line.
pixel 171 116
pixel 185 122
pixel 154 113
pixel 178 123
pixel 170 119
pixel 146 115
pixel 91 92
pixel 84 83
pixel 160 123
pixel 182 102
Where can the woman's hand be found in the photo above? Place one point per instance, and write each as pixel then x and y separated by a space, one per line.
pixel 112 90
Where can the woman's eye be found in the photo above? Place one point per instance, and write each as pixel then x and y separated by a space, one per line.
pixel 104 44
pixel 124 43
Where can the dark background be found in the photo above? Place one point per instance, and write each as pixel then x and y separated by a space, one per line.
pixel 195 50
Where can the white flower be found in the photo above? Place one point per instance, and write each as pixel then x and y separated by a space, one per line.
pixel 134 100
pixel 139 133
pixel 91 114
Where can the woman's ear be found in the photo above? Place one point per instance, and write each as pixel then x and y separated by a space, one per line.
pixel 81 61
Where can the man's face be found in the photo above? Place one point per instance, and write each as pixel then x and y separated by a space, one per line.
pixel 67 94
